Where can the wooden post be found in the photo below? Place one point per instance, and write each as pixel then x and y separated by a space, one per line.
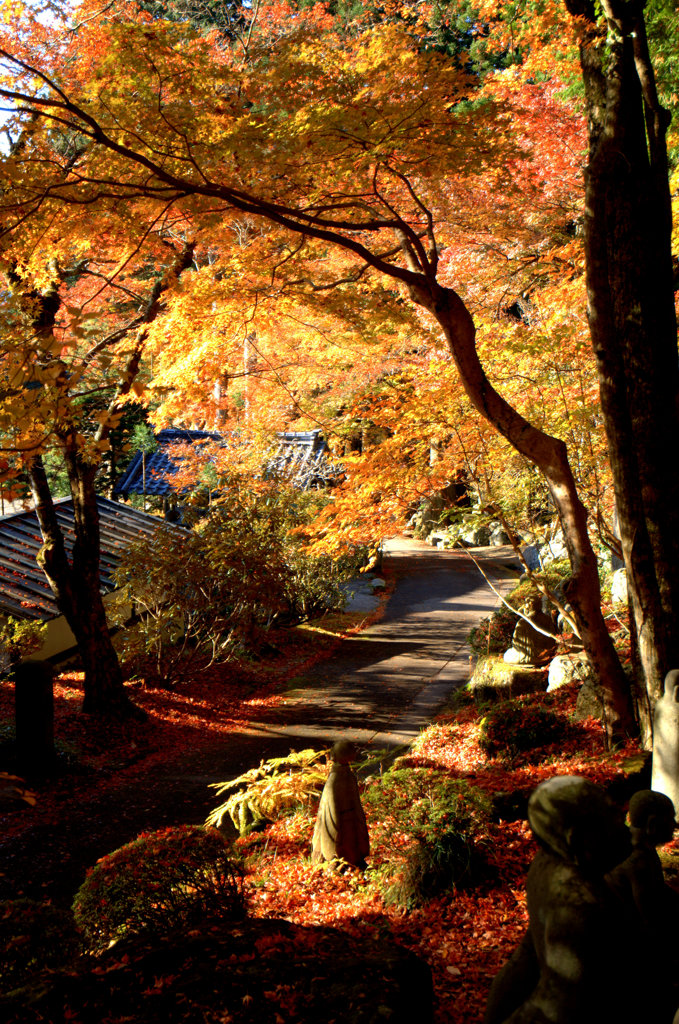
pixel 34 716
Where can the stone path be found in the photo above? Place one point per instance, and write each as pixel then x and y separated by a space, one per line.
pixel 387 682
pixel 379 689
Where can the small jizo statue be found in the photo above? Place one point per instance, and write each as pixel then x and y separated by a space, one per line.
pixel 640 878
pixel 341 832
pixel 532 645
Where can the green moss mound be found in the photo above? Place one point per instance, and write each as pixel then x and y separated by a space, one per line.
pixel 514 727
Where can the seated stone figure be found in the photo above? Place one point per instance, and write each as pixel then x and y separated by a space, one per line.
pixel 341 832
pixel 577 964
pixel 652 906
pixel 529 644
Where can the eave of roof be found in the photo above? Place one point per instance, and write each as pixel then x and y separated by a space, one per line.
pixel 148 474
pixel 24 590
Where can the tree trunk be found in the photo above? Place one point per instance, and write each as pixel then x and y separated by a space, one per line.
pixel 76 587
pixel 550 456
pixel 628 226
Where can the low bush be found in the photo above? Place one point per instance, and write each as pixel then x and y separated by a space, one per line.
pixel 34 936
pixel 514 727
pixel 159 882
pixel 213 592
pixel 433 828
pixel 493 635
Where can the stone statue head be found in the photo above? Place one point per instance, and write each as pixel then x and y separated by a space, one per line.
pixel 343 752
pixel 651 817
pixel 573 819
pixel 671 691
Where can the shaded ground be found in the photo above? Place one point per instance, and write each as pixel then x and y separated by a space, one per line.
pixel 377 688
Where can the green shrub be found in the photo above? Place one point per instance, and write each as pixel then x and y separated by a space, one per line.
pixel 493 635
pixel 514 727
pixel 430 829
pixel 19 638
pixel 215 591
pixel 34 936
pixel 160 881
pixel 276 787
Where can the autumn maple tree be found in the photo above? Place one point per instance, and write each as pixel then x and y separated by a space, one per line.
pixel 76 317
pixel 351 154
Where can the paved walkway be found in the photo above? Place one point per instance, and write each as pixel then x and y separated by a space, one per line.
pixel 386 683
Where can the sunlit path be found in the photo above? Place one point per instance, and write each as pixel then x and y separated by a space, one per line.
pixel 384 684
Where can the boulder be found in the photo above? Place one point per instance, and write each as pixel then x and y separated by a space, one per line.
pixel 493 679
pixel 554 548
pixel 499 537
pixel 476 536
pixel 590 702
pixel 567 668
pixel 531 557
pixel 619 587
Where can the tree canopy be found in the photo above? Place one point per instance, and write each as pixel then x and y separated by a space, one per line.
pixel 371 195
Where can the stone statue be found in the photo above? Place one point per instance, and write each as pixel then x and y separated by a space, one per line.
pixel 665 774
pixel 577 964
pixel 341 832
pixel 652 906
pixel 529 645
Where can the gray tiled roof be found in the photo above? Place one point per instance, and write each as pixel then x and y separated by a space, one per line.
pixel 299 456
pixel 24 590
pixel 149 474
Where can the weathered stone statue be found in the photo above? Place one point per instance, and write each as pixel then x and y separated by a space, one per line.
pixel 577 964
pixel 530 645
pixel 665 774
pixel 639 879
pixel 652 906
pixel 341 832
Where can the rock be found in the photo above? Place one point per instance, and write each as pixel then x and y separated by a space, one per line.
pixel 476 537
pixel 619 587
pixel 531 557
pixel 553 549
pixel 590 703
pixel 360 595
pixel 567 668
pixel 499 537
pixel 494 679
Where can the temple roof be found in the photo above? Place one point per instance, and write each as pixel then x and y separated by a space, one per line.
pixel 24 590
pixel 298 456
